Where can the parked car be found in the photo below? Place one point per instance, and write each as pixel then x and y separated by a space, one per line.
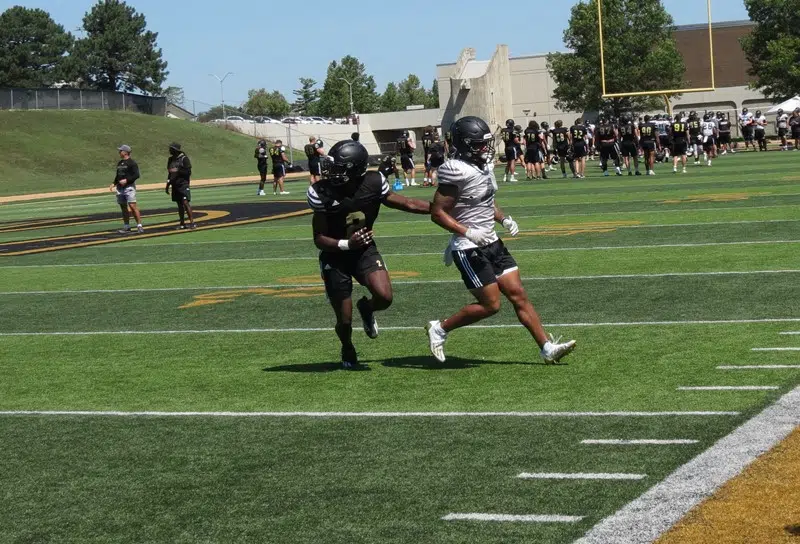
pixel 263 119
pixel 321 121
pixel 236 118
pixel 290 121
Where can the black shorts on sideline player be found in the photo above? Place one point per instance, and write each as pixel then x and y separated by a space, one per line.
pixel 563 151
pixel 648 145
pixel 407 162
pixel 679 147
pixel 279 171
pixel 315 166
pixel 628 148
pixel 482 266
pixel 579 150
pixel 339 269
pixel 181 193
pixel 724 138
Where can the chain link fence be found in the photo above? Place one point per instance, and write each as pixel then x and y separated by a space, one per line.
pixel 80 99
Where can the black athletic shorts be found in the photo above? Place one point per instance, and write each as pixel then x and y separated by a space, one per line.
pixel 724 138
pixel 315 166
pixel 338 270
pixel 609 150
pixel 181 193
pixel 533 154
pixel 511 153
pixel 628 148
pixel 708 145
pixel 679 147
pixel 664 139
pixel 579 150
pixel 782 132
pixel 648 145
pixel 761 134
pixel 796 132
pixel 407 162
pixel 435 160
pixel 278 170
pixel 482 266
pixel 563 151
pixel 747 134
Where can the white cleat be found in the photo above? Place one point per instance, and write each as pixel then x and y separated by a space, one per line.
pixel 413 183
pixel 284 192
pixel 261 193
pixel 709 163
pixel 436 338
pixel 684 170
pixel 513 179
pixel 553 351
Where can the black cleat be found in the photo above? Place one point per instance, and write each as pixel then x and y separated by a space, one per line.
pixel 192 226
pixel 367 318
pixel 350 359
pixel 180 227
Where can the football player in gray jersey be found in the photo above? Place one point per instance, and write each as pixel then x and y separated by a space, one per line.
pixel 464 205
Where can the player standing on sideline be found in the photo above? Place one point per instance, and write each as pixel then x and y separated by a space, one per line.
pixel 464 205
pixel 510 139
pixel 724 129
pixel 629 145
pixel 124 185
pixel 260 155
pixel 406 146
pixel 782 123
pixel 179 176
pixel 436 158
pixel 695 136
pixel 710 136
pixel 314 151
pixel 449 150
pixel 680 143
pixel 562 140
pixel 590 128
pixel 279 162
pixel 760 130
pixel 427 142
pixel 662 124
pixel 531 150
pixel 388 166
pixel 520 154
pixel 746 124
pixel 579 149
pixel 606 141
pixel 547 134
pixel 650 142
pixel 794 124
pixel 346 203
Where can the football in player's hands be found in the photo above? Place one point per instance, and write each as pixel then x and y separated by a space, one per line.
pixel 361 238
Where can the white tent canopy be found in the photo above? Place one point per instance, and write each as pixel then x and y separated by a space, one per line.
pixel 788 106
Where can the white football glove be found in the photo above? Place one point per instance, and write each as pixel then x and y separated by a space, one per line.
pixel 510 225
pixel 479 237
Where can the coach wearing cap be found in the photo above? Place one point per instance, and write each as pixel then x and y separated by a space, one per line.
pixel 179 175
pixel 124 186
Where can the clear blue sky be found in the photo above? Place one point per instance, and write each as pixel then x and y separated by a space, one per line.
pixel 269 43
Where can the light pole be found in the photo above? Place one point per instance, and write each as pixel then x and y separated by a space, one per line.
pixel 222 92
pixel 350 85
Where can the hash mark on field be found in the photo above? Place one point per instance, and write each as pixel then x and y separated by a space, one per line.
pixel 729 388
pixel 580 476
pixel 756 367
pixel 637 442
pixel 529 518
pixel 775 349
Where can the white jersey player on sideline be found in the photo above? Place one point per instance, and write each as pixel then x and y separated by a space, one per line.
pixel 662 126
pixel 464 205
pixel 590 128
pixel 746 124
pixel 782 123
pixel 709 133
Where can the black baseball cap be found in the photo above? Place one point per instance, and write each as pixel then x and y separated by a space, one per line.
pixel 176 146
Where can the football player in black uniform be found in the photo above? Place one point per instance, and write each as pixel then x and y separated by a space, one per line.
pixel 511 141
pixel 346 203
pixel 562 140
pixel 724 128
pixel 629 135
pixel 449 150
pixel 314 151
pixel 606 137
pixel 260 155
pixel 695 137
pixel 179 176
pixel 650 143
pixel 580 150
pixel 427 143
pixel 279 162
pixel 680 143
pixel 534 152
pixel 388 166
pixel 547 134
pixel 436 158
pixel 405 147
pixel 794 124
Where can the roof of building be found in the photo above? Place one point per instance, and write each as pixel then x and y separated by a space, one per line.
pixel 720 24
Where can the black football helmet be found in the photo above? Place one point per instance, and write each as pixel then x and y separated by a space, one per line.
pixel 647 118
pixel 745 110
pixel 346 161
pixel 720 115
pixel 707 117
pixel 559 123
pixel 545 125
pixel 473 140
pixel 758 113
pixel 405 134
pixel 510 123
pixel 601 120
pixel 262 143
pixel 780 111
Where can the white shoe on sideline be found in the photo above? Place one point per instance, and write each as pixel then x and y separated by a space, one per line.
pixel 436 339
pixel 553 351
pixel 261 193
pixel 284 192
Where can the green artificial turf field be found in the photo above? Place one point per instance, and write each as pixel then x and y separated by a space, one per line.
pixel 660 280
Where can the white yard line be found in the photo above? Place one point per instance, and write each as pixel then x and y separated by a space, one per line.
pixel 775 349
pixel 656 511
pixel 580 476
pixel 399 282
pixel 425 254
pixel 526 518
pixel 117 413
pixel 729 388
pixel 790 332
pixel 757 367
pixel 638 442
pixel 397 328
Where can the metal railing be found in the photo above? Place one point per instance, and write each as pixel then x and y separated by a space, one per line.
pixel 80 99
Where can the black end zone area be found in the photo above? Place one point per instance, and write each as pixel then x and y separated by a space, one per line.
pixel 164 222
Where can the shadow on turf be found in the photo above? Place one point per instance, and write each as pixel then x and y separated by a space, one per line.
pixel 416 363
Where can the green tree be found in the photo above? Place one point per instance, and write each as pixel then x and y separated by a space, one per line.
pixel 773 47
pixel 118 52
pixel 412 92
pixel 263 102
pixel 640 55
pixel 174 95
pixel 391 100
pixel 33 48
pixel 307 96
pixel 433 96
pixel 334 98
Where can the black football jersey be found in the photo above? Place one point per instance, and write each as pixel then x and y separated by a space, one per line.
pixel 648 132
pixel 403 148
pixel 276 153
pixel 694 127
pixel 724 125
pixel 427 141
pixel 388 165
pixel 508 136
pixel 348 213
pixel 578 133
pixel 531 137
pixel 679 130
pixel 606 132
pixel 627 131
pixel 310 150
pixel 560 137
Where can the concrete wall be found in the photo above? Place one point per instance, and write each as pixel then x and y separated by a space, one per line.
pixel 297 135
pixel 532 89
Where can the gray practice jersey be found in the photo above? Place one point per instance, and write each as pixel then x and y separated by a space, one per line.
pixel 475 204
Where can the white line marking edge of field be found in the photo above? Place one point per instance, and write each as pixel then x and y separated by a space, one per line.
pixel 529 518
pixel 728 388
pixel 580 476
pixel 638 441
pixel 757 367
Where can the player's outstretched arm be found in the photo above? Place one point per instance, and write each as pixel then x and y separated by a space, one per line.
pixel 410 205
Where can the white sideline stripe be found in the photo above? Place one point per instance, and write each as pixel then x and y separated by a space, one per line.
pixel 729 388
pixel 580 476
pixel 756 367
pixel 529 518
pixel 637 442
pixel 789 332
pixel 653 513
pixel 408 328
pixel 437 253
pixel 404 282
pixel 775 349
pixel 117 413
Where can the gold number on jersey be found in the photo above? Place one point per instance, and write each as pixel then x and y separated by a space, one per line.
pixel 354 222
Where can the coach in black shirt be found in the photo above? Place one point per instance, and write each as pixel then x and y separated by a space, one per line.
pixel 179 172
pixel 125 186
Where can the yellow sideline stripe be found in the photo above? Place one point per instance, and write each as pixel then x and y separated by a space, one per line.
pixel 760 505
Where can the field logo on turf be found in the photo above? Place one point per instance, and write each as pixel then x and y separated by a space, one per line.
pixel 314 279
pixel 572 229
pixel 714 197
